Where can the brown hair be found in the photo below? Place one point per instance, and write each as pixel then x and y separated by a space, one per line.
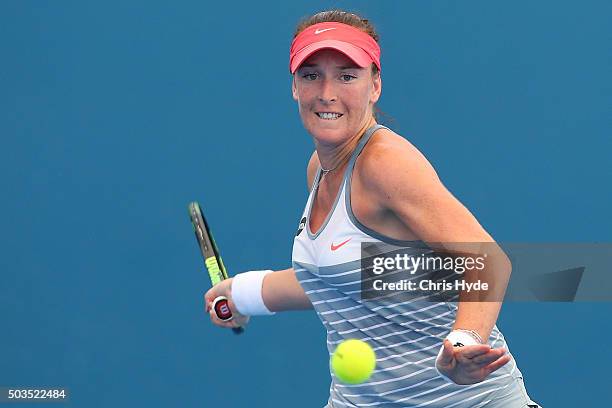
pixel 345 17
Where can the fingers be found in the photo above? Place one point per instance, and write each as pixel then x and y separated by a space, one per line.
pixel 476 369
pixel 209 297
pixel 473 351
pixel 220 289
pixel 216 291
pixel 497 364
pixel 223 289
pixel 489 357
pixel 237 320
pixel 227 324
pixel 446 353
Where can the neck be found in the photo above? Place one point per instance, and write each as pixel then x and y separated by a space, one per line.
pixel 334 157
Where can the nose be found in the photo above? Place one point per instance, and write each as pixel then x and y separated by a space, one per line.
pixel 327 92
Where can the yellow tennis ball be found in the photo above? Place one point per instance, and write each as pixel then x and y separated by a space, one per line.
pixel 353 361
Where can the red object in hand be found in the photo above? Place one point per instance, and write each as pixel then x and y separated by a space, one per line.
pixel 221 308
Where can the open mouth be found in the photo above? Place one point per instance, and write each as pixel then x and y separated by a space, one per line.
pixel 328 115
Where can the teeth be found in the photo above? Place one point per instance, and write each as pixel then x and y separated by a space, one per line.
pixel 328 115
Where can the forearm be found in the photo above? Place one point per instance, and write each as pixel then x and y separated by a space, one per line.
pixel 479 311
pixel 477 316
pixel 281 291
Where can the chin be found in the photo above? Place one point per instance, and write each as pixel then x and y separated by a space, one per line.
pixel 327 133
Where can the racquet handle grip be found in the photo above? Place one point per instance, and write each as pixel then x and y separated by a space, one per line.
pixel 221 307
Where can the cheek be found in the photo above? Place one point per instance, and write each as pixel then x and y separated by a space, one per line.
pixel 301 96
pixel 359 99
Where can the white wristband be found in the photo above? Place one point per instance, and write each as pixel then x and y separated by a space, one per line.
pixel 246 293
pixel 461 337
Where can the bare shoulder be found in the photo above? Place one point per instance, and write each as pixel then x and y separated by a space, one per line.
pixel 389 160
pixel 311 171
pixel 396 177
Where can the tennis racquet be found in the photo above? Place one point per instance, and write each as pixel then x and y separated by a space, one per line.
pixel 212 260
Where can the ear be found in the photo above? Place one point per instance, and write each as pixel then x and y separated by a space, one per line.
pixel 376 88
pixel 294 89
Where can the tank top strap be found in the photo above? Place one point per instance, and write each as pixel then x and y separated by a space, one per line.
pixel 362 142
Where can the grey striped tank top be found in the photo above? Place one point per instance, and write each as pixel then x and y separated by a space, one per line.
pixel 406 335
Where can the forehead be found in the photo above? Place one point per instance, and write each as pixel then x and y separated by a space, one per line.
pixel 329 56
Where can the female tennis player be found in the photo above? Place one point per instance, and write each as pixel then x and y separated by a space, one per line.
pixel 369 184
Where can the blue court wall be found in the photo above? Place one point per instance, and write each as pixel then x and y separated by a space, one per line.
pixel 114 115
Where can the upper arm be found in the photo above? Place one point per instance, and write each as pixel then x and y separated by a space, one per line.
pixel 406 184
pixel 311 171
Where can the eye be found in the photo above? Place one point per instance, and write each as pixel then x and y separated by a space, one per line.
pixel 310 77
pixel 347 77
